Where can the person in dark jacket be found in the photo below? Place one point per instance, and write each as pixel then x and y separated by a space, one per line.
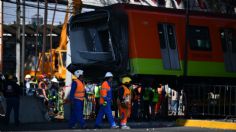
pixel 11 91
pixel 2 81
pixel 137 101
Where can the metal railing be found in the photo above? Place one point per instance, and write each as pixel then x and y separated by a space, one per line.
pixel 210 100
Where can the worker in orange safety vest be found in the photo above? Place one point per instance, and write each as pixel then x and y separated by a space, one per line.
pixel 77 95
pixel 105 102
pixel 124 102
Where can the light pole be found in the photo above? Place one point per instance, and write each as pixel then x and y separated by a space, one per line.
pixel 18 40
pixel 185 65
pixel 23 46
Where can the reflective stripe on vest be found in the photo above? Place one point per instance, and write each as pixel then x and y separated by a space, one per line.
pixel 97 91
pixel 103 91
pixel 80 91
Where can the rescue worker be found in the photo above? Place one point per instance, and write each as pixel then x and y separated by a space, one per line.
pixel 43 87
pixel 146 103
pixel 97 98
pixel 137 101
pixel 88 103
pixel 61 95
pixel 11 91
pixel 154 102
pixel 160 97
pixel 41 93
pixel 124 102
pixel 105 102
pixel 52 94
pixel 77 95
pixel 2 106
pixel 27 85
pixel 174 102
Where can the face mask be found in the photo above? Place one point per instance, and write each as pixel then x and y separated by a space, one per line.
pixel 127 85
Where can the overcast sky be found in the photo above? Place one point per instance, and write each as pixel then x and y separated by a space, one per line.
pixel 9 13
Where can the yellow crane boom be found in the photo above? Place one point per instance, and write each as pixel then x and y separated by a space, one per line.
pixel 56 65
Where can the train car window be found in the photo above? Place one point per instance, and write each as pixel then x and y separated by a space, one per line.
pixel 167 35
pixel 223 40
pixel 199 38
pixel 104 38
pixel 228 40
pixel 171 36
pixel 162 36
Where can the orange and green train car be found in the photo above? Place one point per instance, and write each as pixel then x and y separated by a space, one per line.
pixel 152 41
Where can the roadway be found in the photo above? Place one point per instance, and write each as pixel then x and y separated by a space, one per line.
pixel 157 126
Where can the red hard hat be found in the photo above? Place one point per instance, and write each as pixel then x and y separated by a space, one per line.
pixel 42 76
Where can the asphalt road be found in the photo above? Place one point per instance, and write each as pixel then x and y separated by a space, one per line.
pixel 158 126
pixel 163 129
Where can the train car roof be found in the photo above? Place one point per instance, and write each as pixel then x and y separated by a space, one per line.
pixel 166 10
pixel 102 12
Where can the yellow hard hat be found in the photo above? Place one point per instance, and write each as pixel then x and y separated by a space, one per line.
pixel 126 80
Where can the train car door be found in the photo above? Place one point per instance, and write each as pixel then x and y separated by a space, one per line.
pixel 169 50
pixel 228 41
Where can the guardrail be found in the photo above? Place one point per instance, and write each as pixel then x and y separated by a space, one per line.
pixel 210 100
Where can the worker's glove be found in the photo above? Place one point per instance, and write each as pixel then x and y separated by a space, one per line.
pixel 105 103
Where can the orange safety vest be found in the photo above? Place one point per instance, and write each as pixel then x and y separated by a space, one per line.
pixel 80 90
pixel 103 91
pixel 127 94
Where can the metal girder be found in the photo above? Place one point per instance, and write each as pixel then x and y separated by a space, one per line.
pixel 93 6
pixel 30 30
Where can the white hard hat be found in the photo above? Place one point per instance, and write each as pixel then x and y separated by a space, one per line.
pixel 108 74
pixel 27 76
pixel 2 76
pixel 78 73
pixel 54 80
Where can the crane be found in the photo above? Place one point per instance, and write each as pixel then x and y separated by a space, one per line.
pixel 55 59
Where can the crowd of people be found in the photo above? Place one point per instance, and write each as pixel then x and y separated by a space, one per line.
pixel 49 92
pixel 129 100
pixel 93 99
